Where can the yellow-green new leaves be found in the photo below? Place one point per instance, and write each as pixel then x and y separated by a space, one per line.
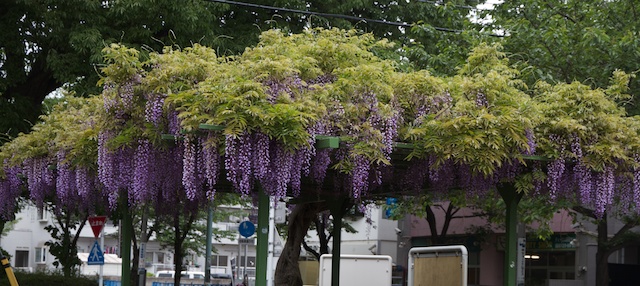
pixel 122 63
pixel 272 88
pixel 577 112
pixel 70 127
pixel 488 118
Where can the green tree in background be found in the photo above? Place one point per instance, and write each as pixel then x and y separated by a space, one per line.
pixel 50 44
pixel 563 41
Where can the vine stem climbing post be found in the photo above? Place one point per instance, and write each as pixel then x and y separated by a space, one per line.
pixel 511 199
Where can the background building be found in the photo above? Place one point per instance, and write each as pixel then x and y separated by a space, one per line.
pixel 567 258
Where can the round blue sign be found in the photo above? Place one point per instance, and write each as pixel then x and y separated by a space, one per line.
pixel 246 228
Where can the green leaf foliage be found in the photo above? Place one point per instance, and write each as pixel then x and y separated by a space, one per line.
pixel 71 127
pixel 488 114
pixel 577 112
pixel 574 40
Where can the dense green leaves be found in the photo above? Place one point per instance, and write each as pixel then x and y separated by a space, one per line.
pixel 71 127
pixel 488 115
pixel 591 116
pixel 51 44
pixel 571 40
pixel 482 110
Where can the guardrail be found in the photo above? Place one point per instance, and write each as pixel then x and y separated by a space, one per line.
pixel 187 283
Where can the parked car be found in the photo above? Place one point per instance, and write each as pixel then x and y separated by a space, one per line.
pixel 222 279
pixel 165 274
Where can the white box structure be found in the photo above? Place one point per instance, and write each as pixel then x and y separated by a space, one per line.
pixel 438 265
pixel 370 270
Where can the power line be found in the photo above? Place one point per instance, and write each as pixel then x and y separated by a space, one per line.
pixel 440 3
pixel 476 8
pixel 341 16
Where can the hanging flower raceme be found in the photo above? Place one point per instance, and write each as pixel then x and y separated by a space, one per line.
pixel 175 128
pixel 56 161
pixel 580 123
pixel 10 189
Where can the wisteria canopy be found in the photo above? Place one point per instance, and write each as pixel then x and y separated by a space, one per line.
pixel 250 123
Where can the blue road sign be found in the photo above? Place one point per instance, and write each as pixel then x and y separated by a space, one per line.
pixel 390 208
pixel 96 257
pixel 247 228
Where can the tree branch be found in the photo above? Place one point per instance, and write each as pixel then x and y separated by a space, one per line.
pixel 431 219
pixel 584 211
pixel 561 14
pixel 470 216
pixel 447 219
pixel 77 236
pixel 623 231
pixel 309 249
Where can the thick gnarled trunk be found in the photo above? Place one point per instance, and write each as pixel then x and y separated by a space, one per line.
pixel 288 271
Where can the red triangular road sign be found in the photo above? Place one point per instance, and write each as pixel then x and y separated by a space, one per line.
pixel 97 223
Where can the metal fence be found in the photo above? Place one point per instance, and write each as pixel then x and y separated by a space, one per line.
pixel 185 284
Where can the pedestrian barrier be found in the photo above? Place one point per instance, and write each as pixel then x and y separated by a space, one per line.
pixel 185 284
pixel 117 283
pixel 112 283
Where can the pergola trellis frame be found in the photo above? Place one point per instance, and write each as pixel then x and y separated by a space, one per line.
pixel 336 206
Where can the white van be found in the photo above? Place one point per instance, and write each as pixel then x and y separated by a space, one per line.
pixel 165 274
pixel 184 274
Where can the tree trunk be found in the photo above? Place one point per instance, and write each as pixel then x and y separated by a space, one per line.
pixel 288 271
pixel 602 267
pixel 2 223
pixel 135 259
pixel 66 241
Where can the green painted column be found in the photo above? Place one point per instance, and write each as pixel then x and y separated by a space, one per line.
pixel 207 259
pixel 262 251
pixel 125 247
pixel 511 199
pixel 337 211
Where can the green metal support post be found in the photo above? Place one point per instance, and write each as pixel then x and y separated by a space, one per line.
pixel 511 199
pixel 262 251
pixel 337 211
pixel 126 241
pixel 207 259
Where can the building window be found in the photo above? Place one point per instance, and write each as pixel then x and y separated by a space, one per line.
pixel 42 214
pixel 219 260
pixel 148 259
pixel 544 265
pixel 251 261
pixel 160 257
pixel 22 258
pixel 41 255
pixel 473 268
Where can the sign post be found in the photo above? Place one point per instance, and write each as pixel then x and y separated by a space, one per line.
pixel 96 256
pixel 246 229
